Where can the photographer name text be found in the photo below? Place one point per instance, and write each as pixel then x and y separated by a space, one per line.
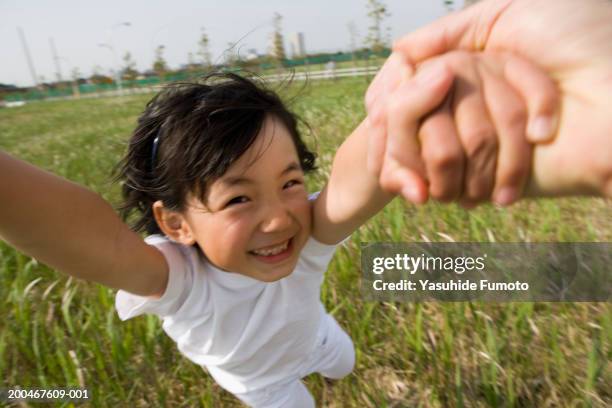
pixel 451 285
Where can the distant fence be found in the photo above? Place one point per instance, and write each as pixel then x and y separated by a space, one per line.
pixel 152 83
pixel 331 73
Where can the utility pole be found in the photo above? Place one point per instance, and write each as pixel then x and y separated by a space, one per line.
pixel 58 72
pixel 352 28
pixel 26 51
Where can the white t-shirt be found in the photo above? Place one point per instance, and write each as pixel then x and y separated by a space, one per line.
pixel 248 334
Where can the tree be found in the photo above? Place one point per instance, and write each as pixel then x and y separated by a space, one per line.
pixel 98 78
pixel 231 54
pixel 277 51
pixel 129 67
pixel 159 64
pixel 204 49
pixel 192 67
pixel 377 12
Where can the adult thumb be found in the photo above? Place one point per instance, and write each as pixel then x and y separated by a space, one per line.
pixel 468 29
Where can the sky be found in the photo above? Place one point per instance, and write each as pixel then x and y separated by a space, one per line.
pixel 78 27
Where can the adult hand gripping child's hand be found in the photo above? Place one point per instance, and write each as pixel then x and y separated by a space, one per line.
pixel 473 146
pixel 572 43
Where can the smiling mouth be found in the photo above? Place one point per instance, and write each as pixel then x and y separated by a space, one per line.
pixel 274 254
pixel 272 250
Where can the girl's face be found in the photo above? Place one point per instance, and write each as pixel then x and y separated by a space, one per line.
pixel 257 215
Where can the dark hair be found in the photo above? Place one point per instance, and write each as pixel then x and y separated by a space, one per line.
pixel 202 129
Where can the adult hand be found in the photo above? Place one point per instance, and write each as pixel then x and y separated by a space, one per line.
pixel 572 42
pixel 471 146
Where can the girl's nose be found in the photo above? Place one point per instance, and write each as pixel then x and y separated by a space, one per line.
pixel 277 218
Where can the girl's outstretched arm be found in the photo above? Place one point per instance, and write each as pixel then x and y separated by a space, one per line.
pixel 352 194
pixel 74 230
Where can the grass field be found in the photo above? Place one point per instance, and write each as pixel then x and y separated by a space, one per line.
pixel 59 332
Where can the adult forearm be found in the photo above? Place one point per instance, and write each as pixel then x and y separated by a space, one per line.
pixel 67 226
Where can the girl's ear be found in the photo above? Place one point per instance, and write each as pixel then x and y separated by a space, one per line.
pixel 173 224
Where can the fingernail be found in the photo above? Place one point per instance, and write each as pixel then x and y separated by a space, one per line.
pixel 541 128
pixel 431 74
pixel 505 196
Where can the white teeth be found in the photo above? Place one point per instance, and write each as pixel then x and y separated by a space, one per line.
pixel 272 251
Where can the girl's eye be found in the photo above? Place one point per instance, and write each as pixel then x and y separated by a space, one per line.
pixel 237 200
pixel 292 183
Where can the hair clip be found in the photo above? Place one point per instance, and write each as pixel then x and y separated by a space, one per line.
pixel 154 151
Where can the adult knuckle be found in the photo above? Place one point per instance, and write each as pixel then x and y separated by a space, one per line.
pixel 386 181
pixel 479 140
pixel 515 117
pixel 514 176
pixel 396 105
pixel 443 193
pixel 478 190
pixel 445 159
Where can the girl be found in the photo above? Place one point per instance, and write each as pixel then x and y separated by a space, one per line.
pixel 237 248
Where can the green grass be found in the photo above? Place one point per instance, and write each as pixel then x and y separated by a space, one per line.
pixel 60 332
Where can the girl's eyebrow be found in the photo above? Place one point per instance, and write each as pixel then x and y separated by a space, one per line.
pixel 232 181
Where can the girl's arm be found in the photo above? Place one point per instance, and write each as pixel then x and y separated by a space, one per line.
pixel 74 230
pixel 352 194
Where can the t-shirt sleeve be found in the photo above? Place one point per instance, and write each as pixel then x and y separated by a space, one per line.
pixel 316 256
pixel 180 281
